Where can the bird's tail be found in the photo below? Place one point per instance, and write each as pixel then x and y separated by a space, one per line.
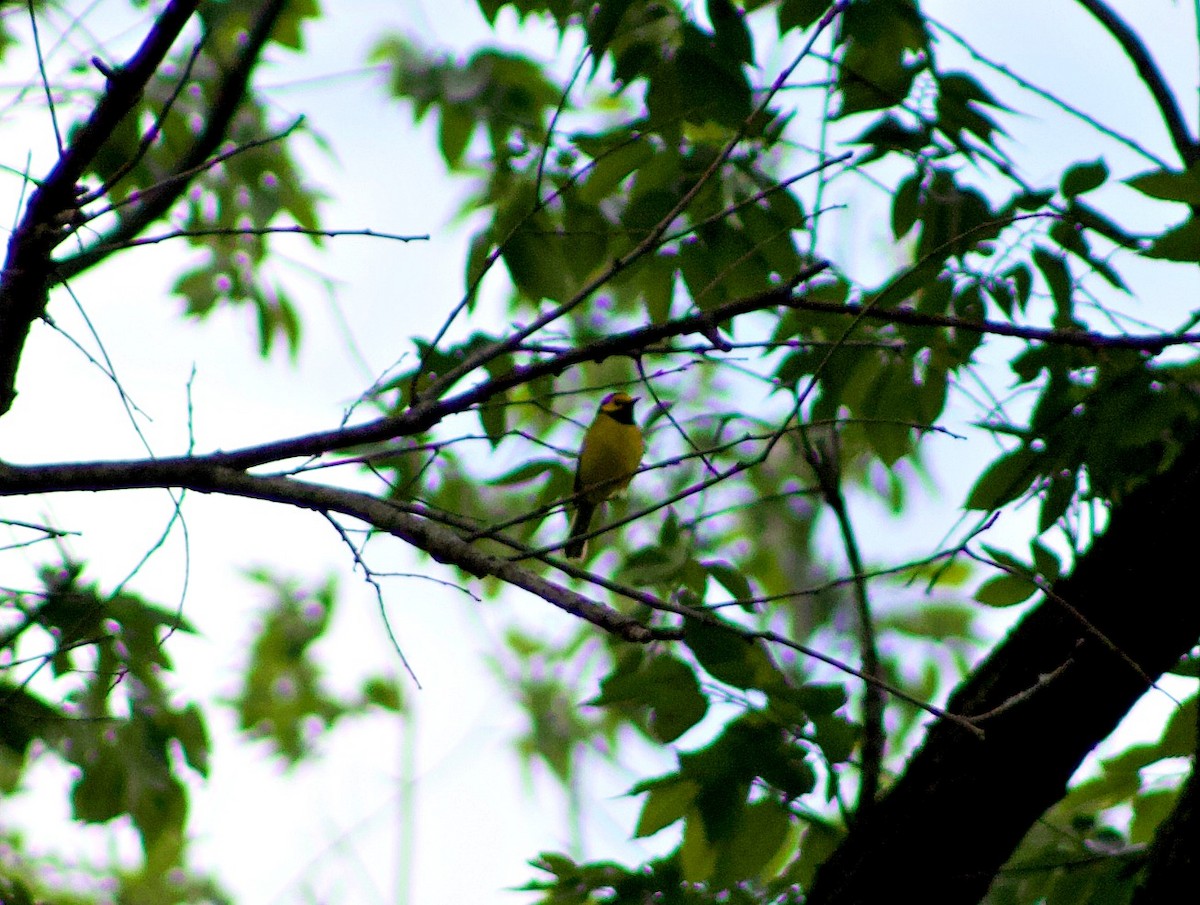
pixel 576 542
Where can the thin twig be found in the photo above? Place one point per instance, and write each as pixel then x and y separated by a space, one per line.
pixel 369 577
pixel 1047 96
pixel 41 60
pixel 257 231
pixel 1042 585
pixel 825 463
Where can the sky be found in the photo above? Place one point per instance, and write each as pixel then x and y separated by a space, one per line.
pixel 338 828
pixel 336 824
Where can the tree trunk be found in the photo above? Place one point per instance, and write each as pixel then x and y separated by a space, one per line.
pixel 963 804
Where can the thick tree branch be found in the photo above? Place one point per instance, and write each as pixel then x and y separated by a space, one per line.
pixel 971 801
pixel 28 268
pixel 204 476
pixel 154 203
pixel 207 475
pixel 429 411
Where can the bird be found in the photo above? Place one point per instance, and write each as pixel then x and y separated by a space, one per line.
pixel 608 459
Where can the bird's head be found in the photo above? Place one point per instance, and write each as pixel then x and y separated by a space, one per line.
pixel 619 406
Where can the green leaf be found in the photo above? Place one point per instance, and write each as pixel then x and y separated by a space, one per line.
pixel 1179 736
pixel 728 656
pixel 889 134
pixel 697 857
pixel 712 88
pixel 696 86
pixel 889 407
pixel 771 236
pixel 1058 278
pixel 383 693
pixel 1057 500
pixel 699 275
pixel 1182 243
pixel 664 685
pixel 819 841
pixel 1031 201
pixel 1023 281
pixel 939 622
pixel 797 704
pixel 653 566
pixel 1005 590
pixel 646 210
pixel 905 206
pixel 603 25
pixel 883 38
pixel 800 13
pixel 665 804
pixel 785 769
pixel 283 695
pixel 585 242
pixel 1045 562
pixel 1169 185
pixel 658 285
pixel 1004 480
pixel 732 580
pixel 533 256
pixel 1070 233
pixel 836 736
pixel 765 827
pixel 493 418
pixel 959 101
pixel 1007 559
pixel 676 702
pixel 612 167
pixel 456 125
pixel 199 288
pixel 822 699
pixel 529 471
pixel 15 892
pixel 478 261
pixel 1188 667
pixel 99 794
pixel 1084 177
pixel 732 37
pixel 190 727
pixel 1150 809
pixel 919 277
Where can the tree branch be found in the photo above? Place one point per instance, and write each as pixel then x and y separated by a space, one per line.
pixel 654 237
pixel 1143 61
pixel 826 465
pixel 207 475
pixel 1154 343
pixel 203 475
pixel 1126 585
pixel 28 268
pixel 156 201
pixel 428 411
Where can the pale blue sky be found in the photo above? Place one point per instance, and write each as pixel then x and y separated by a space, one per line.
pixel 331 828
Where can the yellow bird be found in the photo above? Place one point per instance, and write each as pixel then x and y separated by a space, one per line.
pixel 611 452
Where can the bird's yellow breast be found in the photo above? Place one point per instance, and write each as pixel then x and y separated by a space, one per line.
pixel 609 458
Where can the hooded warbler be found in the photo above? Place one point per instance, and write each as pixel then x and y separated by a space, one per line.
pixel 611 452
